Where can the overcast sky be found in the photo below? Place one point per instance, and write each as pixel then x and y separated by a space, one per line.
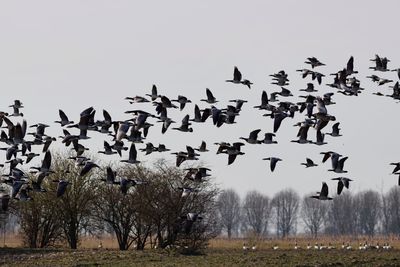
pixel 76 54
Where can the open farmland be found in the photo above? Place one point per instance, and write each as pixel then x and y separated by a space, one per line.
pixel 221 252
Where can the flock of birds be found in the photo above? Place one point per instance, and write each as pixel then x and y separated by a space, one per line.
pixel 135 130
pixel 330 246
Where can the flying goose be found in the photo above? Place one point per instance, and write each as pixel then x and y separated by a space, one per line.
pixel 278 118
pixel 182 101
pixel 210 97
pixel 203 147
pixel 314 62
pixel 323 195
pixel 396 168
pixel 232 150
pixel 335 130
pixel 16 112
pixel 137 99
pixel 310 88
pixel 162 148
pixel 284 92
pixel 320 139
pixel 280 78
pixel 309 163
pixel 237 78
pixel 273 162
pixel 64 119
pixel 380 63
pixel 30 156
pixel 350 66
pixel 87 167
pixel 132 155
pixel 239 103
pixel 107 149
pixel 185 125
pixel 264 102
pixel 252 139
pixel 110 177
pixel 268 139
pixel 153 94
pixel 119 146
pixel 339 167
pixel 342 182
pixel 149 148
pixel 318 76
pixel 302 133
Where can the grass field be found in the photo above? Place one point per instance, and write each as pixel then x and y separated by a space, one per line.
pixel 221 252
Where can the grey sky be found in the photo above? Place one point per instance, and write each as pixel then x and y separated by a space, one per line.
pixel 76 54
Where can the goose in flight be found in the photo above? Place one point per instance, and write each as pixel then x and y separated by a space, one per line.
pixel 137 99
pixel 185 125
pixel 309 163
pixel 110 177
pixel 268 139
pixel 64 119
pixel 153 94
pixel 380 63
pixel 278 118
pixel 350 66
pixel 264 102
pixel 302 133
pixel 342 182
pixel 314 62
pixel 132 155
pixel 232 150
pixel 239 103
pixel 182 100
pixel 107 149
pixel 252 139
pixel 237 78
pixel 320 139
pixel 210 97
pixel 396 168
pixel 285 92
pixel 203 147
pixel 87 167
pixel 335 130
pixel 339 166
pixel 273 162
pixel 310 88
pixel 323 195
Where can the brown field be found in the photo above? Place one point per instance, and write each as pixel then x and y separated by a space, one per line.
pixel 221 252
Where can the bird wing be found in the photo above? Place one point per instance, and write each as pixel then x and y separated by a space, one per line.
pixel 237 76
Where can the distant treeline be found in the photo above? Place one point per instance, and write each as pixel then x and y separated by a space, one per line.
pixel 366 213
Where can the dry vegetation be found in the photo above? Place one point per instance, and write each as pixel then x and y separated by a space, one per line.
pixel 221 252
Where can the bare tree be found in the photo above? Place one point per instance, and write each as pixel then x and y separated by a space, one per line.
pixel 391 211
pixel 341 219
pixel 313 213
pixel 285 205
pixel 229 210
pixel 368 210
pixel 256 213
